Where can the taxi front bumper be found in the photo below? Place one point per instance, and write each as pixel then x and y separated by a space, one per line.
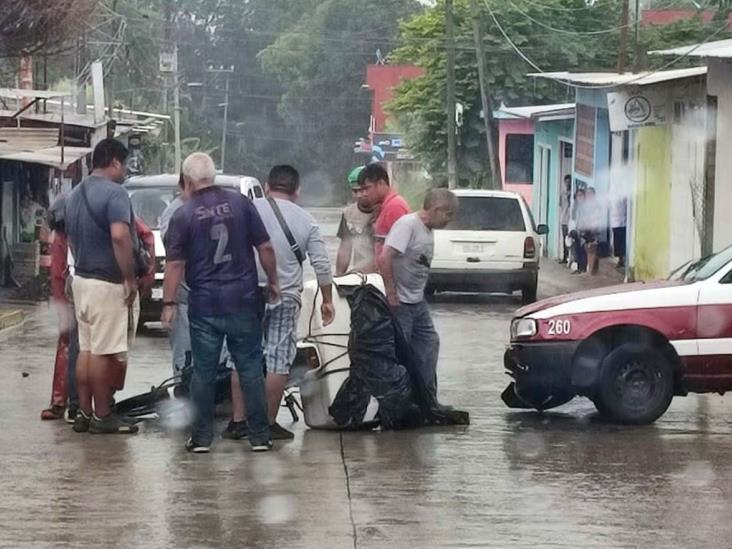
pixel 542 374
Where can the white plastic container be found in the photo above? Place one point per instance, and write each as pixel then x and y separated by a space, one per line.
pixel 319 386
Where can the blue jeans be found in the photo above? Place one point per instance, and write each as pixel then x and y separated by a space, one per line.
pixel 243 335
pixel 179 335
pixel 416 323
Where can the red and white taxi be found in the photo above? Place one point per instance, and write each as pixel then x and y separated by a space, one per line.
pixel 628 348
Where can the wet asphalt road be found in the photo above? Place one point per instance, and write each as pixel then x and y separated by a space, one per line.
pixel 564 479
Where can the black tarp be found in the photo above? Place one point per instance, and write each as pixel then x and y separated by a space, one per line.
pixel 382 366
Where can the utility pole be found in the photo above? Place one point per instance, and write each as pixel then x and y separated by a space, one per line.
pixel 110 76
pixel 223 131
pixel 486 102
pixel 638 57
pixel 228 72
pixel 624 21
pixel 176 110
pixel 452 176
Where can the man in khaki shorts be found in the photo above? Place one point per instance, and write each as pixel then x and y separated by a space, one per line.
pixel 100 226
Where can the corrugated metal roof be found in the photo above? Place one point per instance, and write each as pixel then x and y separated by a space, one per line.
pixel 613 79
pixel 535 111
pixel 70 118
pixel 27 139
pixel 49 157
pixel 719 48
pixel 40 94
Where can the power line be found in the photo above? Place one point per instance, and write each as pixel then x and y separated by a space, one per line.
pixel 541 6
pixel 603 86
pixel 565 31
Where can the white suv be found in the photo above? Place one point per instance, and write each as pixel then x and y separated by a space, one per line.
pixel 492 245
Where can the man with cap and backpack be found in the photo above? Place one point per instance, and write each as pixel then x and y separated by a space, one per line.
pixel 356 230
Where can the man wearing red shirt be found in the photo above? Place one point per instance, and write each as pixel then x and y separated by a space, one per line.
pixel 374 186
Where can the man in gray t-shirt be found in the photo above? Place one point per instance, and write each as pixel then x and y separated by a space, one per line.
pixel 280 319
pixel 405 267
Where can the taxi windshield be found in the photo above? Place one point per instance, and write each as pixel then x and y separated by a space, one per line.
pixel 706 267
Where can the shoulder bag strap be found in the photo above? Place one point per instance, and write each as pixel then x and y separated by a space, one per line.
pixel 91 212
pixel 294 246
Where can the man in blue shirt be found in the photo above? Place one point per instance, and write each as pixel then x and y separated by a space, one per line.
pixel 100 224
pixel 211 240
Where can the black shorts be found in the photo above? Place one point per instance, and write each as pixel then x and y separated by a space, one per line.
pixel 619 241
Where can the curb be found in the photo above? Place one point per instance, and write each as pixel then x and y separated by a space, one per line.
pixel 10 319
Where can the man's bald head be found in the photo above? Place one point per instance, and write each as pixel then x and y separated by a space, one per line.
pixel 440 196
pixel 439 207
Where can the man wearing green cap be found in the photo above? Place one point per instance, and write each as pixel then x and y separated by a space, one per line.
pixel 356 232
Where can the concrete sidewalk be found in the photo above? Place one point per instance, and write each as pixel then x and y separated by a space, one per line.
pixel 556 279
pixel 10 317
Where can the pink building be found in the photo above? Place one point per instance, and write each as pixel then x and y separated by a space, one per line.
pixel 516 151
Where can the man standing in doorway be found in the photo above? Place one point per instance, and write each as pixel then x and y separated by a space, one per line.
pixel 100 225
pixel 356 230
pixel 211 238
pixel 379 195
pixel 619 221
pixel 294 234
pixel 565 199
pixel 405 266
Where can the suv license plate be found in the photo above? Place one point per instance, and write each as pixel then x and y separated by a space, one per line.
pixel 157 294
pixel 472 248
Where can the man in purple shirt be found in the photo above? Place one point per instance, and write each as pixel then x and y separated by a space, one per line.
pixel 211 238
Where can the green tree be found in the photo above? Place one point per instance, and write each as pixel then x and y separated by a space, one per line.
pixel 419 105
pixel 320 63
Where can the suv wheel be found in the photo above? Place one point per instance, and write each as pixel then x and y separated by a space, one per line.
pixel 636 384
pixel 528 293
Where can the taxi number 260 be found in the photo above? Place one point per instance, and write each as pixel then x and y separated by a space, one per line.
pixel 559 327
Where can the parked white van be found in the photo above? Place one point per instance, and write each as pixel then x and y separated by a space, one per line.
pixel 492 245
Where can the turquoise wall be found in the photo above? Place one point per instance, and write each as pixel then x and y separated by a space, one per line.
pixel 548 134
pixel 600 179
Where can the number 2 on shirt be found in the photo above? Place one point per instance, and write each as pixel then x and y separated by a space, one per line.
pixel 220 234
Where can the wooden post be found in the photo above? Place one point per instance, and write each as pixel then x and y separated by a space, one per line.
pixel 624 20
pixel 486 103
pixel 452 177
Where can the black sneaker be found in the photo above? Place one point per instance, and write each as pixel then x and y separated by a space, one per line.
pixel 262 446
pixel 195 448
pixel 81 422
pixel 71 413
pixel 278 432
pixel 111 425
pixel 236 430
pixel 127 419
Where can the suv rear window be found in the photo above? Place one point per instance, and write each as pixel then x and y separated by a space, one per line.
pixel 488 213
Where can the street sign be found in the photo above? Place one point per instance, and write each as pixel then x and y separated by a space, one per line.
pixel 637 108
pixel 168 62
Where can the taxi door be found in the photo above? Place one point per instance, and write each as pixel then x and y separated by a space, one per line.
pixel 714 332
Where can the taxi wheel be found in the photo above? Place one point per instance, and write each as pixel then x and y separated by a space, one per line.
pixel 636 384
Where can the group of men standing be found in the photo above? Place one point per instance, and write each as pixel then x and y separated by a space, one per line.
pixel 234 277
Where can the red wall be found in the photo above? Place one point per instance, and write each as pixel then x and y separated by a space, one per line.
pixel 382 79
pixel 665 17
